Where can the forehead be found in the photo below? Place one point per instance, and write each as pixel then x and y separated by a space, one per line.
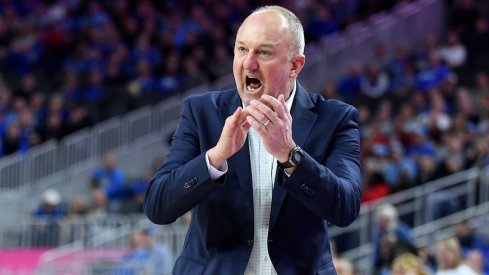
pixel 267 27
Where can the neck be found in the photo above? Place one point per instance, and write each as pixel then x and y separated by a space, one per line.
pixel 291 89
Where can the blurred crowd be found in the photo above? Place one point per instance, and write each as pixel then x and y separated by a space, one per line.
pixel 424 109
pixel 396 252
pixel 67 64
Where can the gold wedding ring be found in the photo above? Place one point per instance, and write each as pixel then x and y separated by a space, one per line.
pixel 266 123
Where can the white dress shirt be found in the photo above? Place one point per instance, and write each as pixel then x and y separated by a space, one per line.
pixel 263 170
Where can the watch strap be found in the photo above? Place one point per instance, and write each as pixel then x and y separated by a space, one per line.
pixel 290 162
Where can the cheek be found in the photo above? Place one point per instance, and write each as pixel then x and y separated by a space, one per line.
pixel 237 64
pixel 277 81
pixel 237 73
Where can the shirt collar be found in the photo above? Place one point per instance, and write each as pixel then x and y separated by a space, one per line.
pixel 291 97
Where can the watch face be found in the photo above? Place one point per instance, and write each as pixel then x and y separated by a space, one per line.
pixel 297 157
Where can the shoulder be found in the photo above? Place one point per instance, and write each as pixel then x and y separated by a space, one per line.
pixel 333 106
pixel 211 97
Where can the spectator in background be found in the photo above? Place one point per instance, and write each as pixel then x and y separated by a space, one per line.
pixel 345 11
pixel 193 76
pixel 480 92
pixel 432 74
pixel 379 54
pixel 171 81
pixel 77 120
pixel 449 258
pixel 160 256
pixel 349 85
pixel 53 128
pixel 453 52
pixel 321 22
pixel 374 83
pixel 408 264
pixel 14 140
pixel 77 223
pixel 144 87
pixel 401 171
pixel 93 93
pixel 343 266
pixel 427 258
pixel 137 190
pixel 467 237
pixel 396 69
pixel 112 181
pixel 98 199
pixel 475 261
pixel 134 260
pixel 435 120
pixel 376 186
pixel 146 255
pixel 51 206
pixel 392 237
pixel 427 166
pixel 478 153
pixel 223 62
pixel 420 144
pixel 46 230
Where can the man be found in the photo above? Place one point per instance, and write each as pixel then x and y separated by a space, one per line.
pixel 263 181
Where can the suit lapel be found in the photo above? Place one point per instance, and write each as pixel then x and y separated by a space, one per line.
pixel 303 121
pixel 241 160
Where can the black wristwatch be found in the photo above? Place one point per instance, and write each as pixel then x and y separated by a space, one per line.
pixel 295 157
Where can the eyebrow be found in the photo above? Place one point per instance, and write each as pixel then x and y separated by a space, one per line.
pixel 267 45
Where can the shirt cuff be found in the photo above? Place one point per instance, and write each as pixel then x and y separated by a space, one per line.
pixel 215 173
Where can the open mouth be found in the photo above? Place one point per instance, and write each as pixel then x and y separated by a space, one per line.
pixel 252 84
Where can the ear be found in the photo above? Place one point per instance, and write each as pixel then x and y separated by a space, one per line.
pixel 298 62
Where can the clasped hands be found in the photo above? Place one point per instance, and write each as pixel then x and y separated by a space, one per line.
pixel 269 116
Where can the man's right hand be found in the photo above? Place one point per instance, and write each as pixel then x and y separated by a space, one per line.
pixel 232 138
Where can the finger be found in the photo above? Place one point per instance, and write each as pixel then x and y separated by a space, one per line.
pixel 275 104
pixel 281 99
pixel 238 117
pixel 264 109
pixel 257 114
pixel 255 124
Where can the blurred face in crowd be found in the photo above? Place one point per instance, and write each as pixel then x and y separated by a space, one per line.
pixel 110 162
pixel 448 254
pixel 343 267
pixel 407 264
pixel 263 59
pixel 475 260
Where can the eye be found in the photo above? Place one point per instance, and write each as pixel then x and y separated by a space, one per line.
pixel 265 53
pixel 241 49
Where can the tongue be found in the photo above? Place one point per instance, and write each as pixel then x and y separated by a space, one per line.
pixel 255 83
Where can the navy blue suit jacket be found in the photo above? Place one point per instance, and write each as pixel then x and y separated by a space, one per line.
pixel 324 188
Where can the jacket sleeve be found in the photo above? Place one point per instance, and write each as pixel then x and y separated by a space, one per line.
pixel 331 189
pixel 183 180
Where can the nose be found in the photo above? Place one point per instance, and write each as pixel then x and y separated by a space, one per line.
pixel 250 62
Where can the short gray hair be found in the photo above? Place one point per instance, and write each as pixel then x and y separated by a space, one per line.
pixel 294 24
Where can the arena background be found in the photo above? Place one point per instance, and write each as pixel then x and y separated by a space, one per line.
pixel 91 91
